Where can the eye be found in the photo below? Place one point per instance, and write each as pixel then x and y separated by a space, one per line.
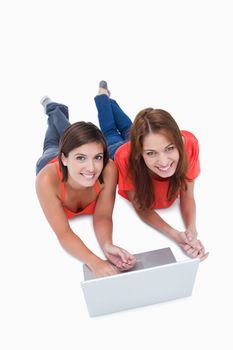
pixel 151 153
pixel 99 157
pixel 80 158
pixel 170 148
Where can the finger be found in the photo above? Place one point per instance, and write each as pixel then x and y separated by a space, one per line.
pixel 132 260
pixel 202 247
pixel 113 258
pixel 127 266
pixel 196 245
pixel 204 256
pixel 195 253
pixel 186 247
pixel 191 252
pixel 201 244
pixel 127 255
pixel 119 264
pixel 131 263
pixel 201 253
pixel 122 255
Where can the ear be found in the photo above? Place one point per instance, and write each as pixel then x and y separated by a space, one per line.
pixel 64 159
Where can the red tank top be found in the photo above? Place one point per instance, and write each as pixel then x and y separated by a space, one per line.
pixel 70 214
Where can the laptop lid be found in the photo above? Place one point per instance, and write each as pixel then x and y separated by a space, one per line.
pixel 157 277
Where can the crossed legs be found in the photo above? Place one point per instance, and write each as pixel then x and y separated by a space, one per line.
pixel 58 121
pixel 114 123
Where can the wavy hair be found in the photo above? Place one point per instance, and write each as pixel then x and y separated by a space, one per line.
pixel 77 135
pixel 154 121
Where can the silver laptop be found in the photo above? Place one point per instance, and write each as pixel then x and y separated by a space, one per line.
pixel 157 277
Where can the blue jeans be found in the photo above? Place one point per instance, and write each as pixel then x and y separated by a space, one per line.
pixel 58 121
pixel 114 123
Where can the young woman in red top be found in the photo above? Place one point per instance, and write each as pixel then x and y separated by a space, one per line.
pixel 74 177
pixel 157 165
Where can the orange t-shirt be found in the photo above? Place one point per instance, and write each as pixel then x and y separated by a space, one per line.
pixel 90 209
pixel 160 186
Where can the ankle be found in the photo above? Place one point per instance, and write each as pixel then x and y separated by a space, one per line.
pixel 45 101
pixel 103 91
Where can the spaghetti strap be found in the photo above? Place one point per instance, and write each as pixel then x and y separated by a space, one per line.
pixel 62 183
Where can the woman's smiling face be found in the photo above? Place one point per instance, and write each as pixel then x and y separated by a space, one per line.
pixel 85 164
pixel 160 155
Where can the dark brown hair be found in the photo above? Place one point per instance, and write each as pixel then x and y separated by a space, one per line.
pixel 148 121
pixel 77 135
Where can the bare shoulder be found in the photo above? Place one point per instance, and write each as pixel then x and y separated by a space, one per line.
pixel 47 178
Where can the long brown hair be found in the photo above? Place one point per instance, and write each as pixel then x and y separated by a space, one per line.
pixel 77 135
pixel 147 121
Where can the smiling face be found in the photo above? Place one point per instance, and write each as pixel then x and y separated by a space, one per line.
pixel 160 155
pixel 84 164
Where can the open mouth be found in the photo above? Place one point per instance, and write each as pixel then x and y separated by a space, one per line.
pixel 164 169
pixel 88 176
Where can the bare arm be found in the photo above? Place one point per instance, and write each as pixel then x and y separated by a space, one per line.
pixel 102 218
pixel 190 245
pixel 102 221
pixel 188 211
pixel 188 208
pixel 53 210
pixel 152 218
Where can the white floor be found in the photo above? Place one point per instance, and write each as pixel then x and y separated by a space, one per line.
pixel 166 54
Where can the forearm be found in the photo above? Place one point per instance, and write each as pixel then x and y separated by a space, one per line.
pixel 103 230
pixel 188 211
pixel 153 219
pixel 75 247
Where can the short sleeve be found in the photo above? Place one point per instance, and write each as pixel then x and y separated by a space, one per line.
pixel 121 161
pixel 192 150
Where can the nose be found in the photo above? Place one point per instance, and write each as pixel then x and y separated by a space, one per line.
pixel 90 166
pixel 162 159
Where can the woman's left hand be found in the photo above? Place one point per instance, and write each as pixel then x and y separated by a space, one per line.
pixel 194 246
pixel 119 257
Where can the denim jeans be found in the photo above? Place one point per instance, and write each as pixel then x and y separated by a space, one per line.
pixel 58 121
pixel 114 123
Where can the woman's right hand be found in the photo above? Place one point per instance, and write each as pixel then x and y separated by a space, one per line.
pixel 102 268
pixel 193 248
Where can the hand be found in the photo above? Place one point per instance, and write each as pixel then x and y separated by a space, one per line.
pixel 119 257
pixel 195 243
pixel 101 268
pixel 191 245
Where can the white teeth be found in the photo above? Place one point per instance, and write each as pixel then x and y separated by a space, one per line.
pixel 87 176
pixel 164 168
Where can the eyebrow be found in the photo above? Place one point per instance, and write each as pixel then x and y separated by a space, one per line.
pixel 170 144
pixel 83 154
pixel 150 149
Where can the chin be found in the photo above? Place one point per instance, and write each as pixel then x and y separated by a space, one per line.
pixel 165 175
pixel 89 183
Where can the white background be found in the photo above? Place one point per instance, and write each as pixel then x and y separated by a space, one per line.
pixel 175 55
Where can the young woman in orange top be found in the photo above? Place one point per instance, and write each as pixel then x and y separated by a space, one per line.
pixel 75 176
pixel 157 165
